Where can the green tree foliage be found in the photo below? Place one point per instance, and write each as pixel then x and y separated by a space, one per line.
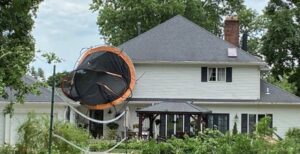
pixel 118 19
pixel 263 127
pixel 293 133
pixel 58 78
pixel 282 83
pixel 16 45
pixel 234 130
pixel 281 42
pixel 51 57
pixel 33 72
pixel 41 74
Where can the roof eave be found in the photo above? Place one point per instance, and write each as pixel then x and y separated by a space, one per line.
pixel 250 103
pixel 200 62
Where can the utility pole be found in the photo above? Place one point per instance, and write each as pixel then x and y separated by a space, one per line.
pixel 51 114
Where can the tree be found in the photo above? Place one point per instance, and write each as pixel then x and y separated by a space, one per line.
pixel 16 45
pixel 58 77
pixel 33 72
pixel 281 43
pixel 41 74
pixel 234 130
pixel 282 83
pixel 118 19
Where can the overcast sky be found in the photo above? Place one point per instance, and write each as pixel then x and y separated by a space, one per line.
pixel 65 27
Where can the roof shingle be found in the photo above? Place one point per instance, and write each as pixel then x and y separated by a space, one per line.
pixel 174 107
pixel 180 40
pixel 45 95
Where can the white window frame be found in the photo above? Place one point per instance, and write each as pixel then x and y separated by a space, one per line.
pixel 217 74
pixel 174 124
pixel 256 119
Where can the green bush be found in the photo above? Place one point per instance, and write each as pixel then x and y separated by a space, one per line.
pixel 150 147
pixel 234 130
pixel 211 141
pixel 34 136
pixel 293 133
pixel 72 133
pixel 101 145
pixel 34 139
pixel 7 149
pixel 263 127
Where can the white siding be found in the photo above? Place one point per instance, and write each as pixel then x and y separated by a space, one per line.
pixel 2 127
pixel 184 81
pixel 9 126
pixel 132 119
pixel 284 116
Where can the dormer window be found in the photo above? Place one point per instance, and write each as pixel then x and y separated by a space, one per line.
pixel 216 74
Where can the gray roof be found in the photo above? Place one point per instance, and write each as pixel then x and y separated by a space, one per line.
pixel 174 107
pixel 180 40
pixel 45 95
pixel 276 95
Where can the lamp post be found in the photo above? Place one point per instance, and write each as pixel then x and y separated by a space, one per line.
pixel 51 114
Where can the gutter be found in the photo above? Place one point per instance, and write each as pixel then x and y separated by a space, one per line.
pixel 201 62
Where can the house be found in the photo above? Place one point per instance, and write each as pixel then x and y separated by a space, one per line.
pixel 179 64
pixel 39 104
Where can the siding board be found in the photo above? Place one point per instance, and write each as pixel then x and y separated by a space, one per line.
pixel 184 81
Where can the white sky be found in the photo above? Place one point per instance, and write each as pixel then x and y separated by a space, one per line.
pixel 65 27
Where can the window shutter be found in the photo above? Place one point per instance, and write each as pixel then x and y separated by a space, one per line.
pixel 271 124
pixel 162 125
pixel 228 74
pixel 204 74
pixel 187 123
pixel 252 123
pixel 244 123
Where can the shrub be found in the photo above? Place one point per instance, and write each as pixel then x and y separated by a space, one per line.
pixel 293 133
pixel 72 133
pixel 263 127
pixel 150 147
pixel 101 145
pixel 113 126
pixel 234 130
pixel 111 134
pixel 34 136
pixel 7 149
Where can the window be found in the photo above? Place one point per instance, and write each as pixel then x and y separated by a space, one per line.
pixel 249 121
pixel 170 125
pixel 212 74
pixel 216 74
pixel 218 121
pixel 175 124
pixel 221 74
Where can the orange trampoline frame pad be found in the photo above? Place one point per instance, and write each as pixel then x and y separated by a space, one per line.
pixel 127 60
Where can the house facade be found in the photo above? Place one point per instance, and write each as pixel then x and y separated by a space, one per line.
pixel 39 104
pixel 178 61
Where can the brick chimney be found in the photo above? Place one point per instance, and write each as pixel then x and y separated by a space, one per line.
pixel 231 30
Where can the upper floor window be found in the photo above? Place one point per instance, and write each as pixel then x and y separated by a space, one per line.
pixel 216 74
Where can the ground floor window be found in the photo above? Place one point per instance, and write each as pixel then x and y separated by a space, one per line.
pixel 218 121
pixel 249 121
pixel 175 124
